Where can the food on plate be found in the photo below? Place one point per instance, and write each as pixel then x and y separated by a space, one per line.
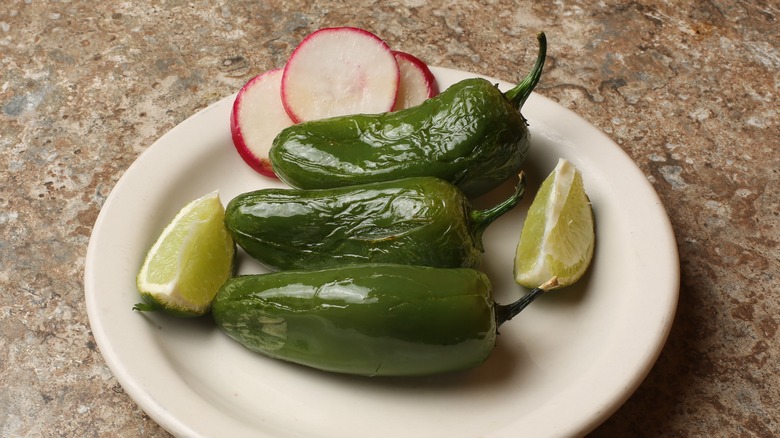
pixel 558 235
pixel 470 134
pixel 417 81
pixel 338 71
pixel 257 117
pixel 377 242
pixel 419 221
pixel 374 319
pixel 189 262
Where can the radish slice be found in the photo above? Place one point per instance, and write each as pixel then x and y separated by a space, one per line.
pixel 257 117
pixel 339 71
pixel 417 81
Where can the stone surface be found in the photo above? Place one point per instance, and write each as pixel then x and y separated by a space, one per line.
pixel 687 88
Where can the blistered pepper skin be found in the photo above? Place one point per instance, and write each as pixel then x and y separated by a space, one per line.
pixel 373 320
pixel 471 135
pixel 417 221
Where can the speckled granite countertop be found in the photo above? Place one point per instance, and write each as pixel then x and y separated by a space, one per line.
pixel 687 88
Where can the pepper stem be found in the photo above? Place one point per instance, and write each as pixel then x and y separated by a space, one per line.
pixel 519 94
pixel 480 219
pixel 505 312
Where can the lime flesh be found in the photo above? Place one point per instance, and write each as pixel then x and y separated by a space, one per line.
pixel 191 259
pixel 558 235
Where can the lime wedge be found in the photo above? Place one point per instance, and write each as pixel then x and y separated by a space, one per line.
pixel 558 235
pixel 189 262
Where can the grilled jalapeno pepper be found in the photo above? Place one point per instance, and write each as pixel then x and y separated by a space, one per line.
pixel 417 221
pixel 471 135
pixel 375 319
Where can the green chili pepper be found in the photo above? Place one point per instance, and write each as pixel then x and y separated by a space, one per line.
pixel 471 135
pixel 417 221
pixel 374 319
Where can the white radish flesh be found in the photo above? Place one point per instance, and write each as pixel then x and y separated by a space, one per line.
pixel 417 81
pixel 339 71
pixel 257 117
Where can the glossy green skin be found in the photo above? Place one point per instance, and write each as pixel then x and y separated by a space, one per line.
pixel 470 135
pixel 418 221
pixel 375 319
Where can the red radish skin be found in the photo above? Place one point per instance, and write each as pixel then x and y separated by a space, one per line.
pixel 339 71
pixel 257 117
pixel 417 81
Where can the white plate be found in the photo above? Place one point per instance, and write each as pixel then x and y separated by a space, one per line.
pixel 559 369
